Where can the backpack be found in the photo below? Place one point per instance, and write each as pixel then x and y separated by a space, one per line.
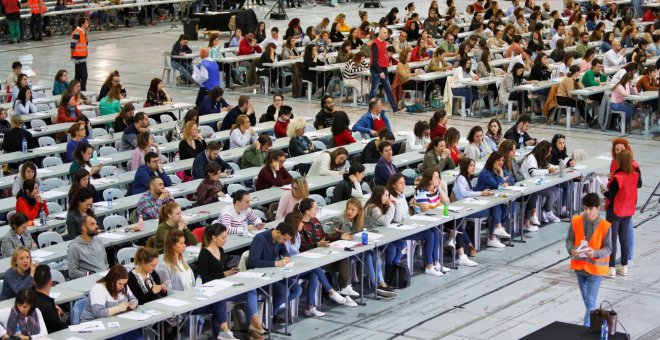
pixel 397 276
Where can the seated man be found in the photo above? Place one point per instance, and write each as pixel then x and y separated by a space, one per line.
pixel 151 201
pixel 151 168
pixel 518 132
pixel 268 250
pixel 51 313
pixel 255 155
pixel 129 138
pixel 86 254
pixel 374 120
pixel 211 154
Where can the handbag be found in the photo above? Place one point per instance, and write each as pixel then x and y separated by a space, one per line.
pixel 597 316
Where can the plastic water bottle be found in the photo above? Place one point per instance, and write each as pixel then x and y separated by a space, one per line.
pixel 140 222
pixel 198 287
pixel 24 127
pixel 109 200
pixel 365 238
pixel 2 175
pixel 111 131
pixel 42 217
pixel 604 330
pixel 177 158
pixel 245 231
pixel 445 209
pixel 117 174
pixel 24 147
pixel 95 157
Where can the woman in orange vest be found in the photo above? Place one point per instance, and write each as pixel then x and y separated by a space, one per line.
pixel 589 243
pixel 621 200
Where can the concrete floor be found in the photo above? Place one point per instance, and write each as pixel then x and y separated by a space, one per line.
pixel 513 291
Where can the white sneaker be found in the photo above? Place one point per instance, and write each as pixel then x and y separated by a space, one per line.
pixel 534 220
pixel 313 312
pixel 612 272
pixel 550 217
pixel 336 297
pixel 349 302
pixel 495 243
pixel 441 268
pixel 531 228
pixel 564 211
pixel 622 270
pixel 431 271
pixel 450 243
pixel 226 336
pixel 501 233
pixel 463 260
pixel 348 291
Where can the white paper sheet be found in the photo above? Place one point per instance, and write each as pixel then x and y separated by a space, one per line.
pixel 426 218
pixel 343 244
pixel 579 167
pixel 401 226
pixel 219 283
pixel 50 194
pixel 454 208
pixel 61 214
pixel 132 315
pixel 193 249
pixel 286 187
pixel 249 275
pixel 326 212
pixel 514 188
pixel 44 171
pixel 474 200
pixel 42 253
pixel 111 236
pixel 311 255
pixel 226 198
pixel 172 302
pixel 88 326
pixel 48 147
pixel 371 235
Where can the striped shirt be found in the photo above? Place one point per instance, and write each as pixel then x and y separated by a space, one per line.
pixel 351 70
pixel 432 199
pixel 235 221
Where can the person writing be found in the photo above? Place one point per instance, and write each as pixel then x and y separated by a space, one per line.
pixel 239 217
pixel 143 281
pixel 210 189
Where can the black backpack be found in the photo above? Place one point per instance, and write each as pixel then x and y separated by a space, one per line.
pixel 397 276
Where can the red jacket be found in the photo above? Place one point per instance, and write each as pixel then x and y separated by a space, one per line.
pixel 280 128
pixel 266 179
pixel 438 131
pixel 31 211
pixel 625 199
pixel 414 55
pixel 11 6
pixel 63 114
pixel 344 138
pixel 244 48
pixel 649 15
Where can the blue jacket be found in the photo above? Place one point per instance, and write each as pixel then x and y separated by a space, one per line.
pixel 208 106
pixel 200 162
pixel 142 177
pixel 264 251
pixel 211 67
pixel 383 172
pixel 366 123
pixel 488 180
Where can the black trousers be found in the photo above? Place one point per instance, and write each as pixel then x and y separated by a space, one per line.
pixel 565 101
pixel 81 75
pixel 36 21
pixel 518 96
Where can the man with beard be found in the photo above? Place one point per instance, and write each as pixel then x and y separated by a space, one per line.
pixel 87 253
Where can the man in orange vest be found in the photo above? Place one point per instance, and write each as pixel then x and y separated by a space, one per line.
pixel 36 19
pixel 589 243
pixel 79 51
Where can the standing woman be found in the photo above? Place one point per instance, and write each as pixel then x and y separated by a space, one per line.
pixel 143 281
pixel 537 164
pixel 210 189
pixel 492 177
pixel 340 131
pixel 494 135
pixel 299 191
pixel 23 102
pixel 145 144
pixel 478 148
pixel 20 275
pixel 18 235
pixel 621 200
pixel 242 133
pixel 212 265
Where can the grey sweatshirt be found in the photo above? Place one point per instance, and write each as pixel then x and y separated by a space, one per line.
pixel 374 217
pixel 589 228
pixel 86 257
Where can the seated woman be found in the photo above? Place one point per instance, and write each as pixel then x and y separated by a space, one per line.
pixel 239 217
pixel 330 163
pixel 458 88
pixel 351 184
pixel 352 221
pixel 299 144
pixel 241 133
pixel 273 109
pixel 143 281
pixel 617 97
pixel 478 149
pixel 170 219
pixel 18 235
pixel 419 139
pixel 28 170
pixel 61 85
pixel 312 236
pixel 212 265
pixel 513 174
pixel 568 84
pixel 30 202
pixel 23 103
pixel 299 191
pixel 145 144
pixel 452 137
pixel 25 319
pixel 283 119
pixel 82 158
pixel 494 135
pixel 419 52
pixel 492 177
pixel 67 111
pixel 350 73
pixel 210 188
pixel 385 167
pixel 20 275
pixel 402 76
pixel 80 206
pixel 437 156
pixel 111 296
pixel 192 142
pixel 311 59
pixel 213 103
pixel 506 90
pixel 78 134
pixel 81 181
pixel 110 104
pixel 268 56
pixel 432 237
pixel 174 270
pixel 537 164
pixel 340 131
pixel 124 118
pixel 273 173
pixel 649 82
pixel 559 154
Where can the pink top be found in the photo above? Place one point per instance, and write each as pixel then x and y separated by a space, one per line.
pixel 619 93
pixel 137 158
pixel 287 202
pixel 584 65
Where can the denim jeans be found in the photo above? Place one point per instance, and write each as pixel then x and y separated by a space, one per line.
pixel 469 93
pixel 625 107
pixel 499 214
pixel 217 310
pixel 387 88
pixel 375 272
pixel 619 229
pixel 432 239
pixel 185 70
pixel 551 196
pixel 631 239
pixel 315 276
pixel 393 252
pixel 589 286
pixel 279 291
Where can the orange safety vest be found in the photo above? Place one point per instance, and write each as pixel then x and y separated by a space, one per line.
pixel 598 267
pixel 35 6
pixel 80 50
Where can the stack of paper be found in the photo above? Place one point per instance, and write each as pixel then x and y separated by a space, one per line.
pixel 219 283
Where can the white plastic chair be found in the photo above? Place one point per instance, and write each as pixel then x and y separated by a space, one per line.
pixel 99 132
pixel 51 162
pixel 116 194
pixel 52 183
pixel 409 173
pixel 46 141
pixel 160 139
pixel 107 151
pixel 108 170
pixel 175 179
pixel 366 188
pixel 207 131
pixel 232 188
pixel 49 238
pixel 114 221
pixel 234 167
pixel 152 122
pixel 54 207
pixel 329 193
pixel 57 276
pixel 37 123
pixel 183 202
pixel 260 214
pixel 295 174
pixel 126 255
pixel 166 118
pixel 318 199
pixel 319 145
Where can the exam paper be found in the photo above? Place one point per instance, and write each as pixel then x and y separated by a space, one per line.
pixel 88 326
pixel 426 218
pixel 477 201
pixel 42 253
pixel 47 195
pixel 249 275
pixel 401 226
pixel 219 283
pixel 172 302
pixel 111 236
pixel 580 167
pixel 514 188
pixel 343 244
pixel 372 236
pixel 326 212
pixel 132 315
pixel 311 255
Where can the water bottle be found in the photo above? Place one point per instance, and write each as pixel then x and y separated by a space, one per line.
pixel 445 209
pixel 177 158
pixel 198 287
pixel 109 200
pixel 604 330
pixel 2 175
pixel 117 174
pixel 112 132
pixel 24 127
pixel 42 217
pixel 245 231
pixel 24 147
pixel 95 158
pixel 140 222
pixel 562 168
pixel 365 238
